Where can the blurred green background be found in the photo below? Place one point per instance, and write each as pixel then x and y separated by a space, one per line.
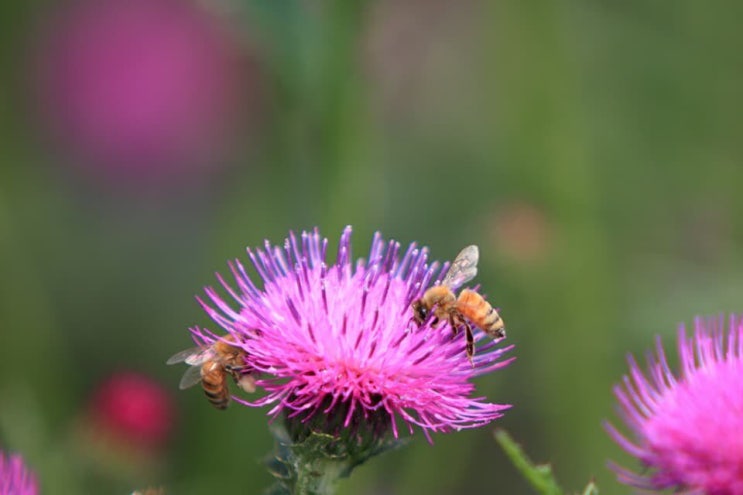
pixel 592 149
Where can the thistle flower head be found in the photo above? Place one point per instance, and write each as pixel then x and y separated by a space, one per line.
pixel 15 478
pixel 687 425
pixel 334 347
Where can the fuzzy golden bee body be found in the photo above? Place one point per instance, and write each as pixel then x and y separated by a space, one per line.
pixel 460 310
pixel 210 366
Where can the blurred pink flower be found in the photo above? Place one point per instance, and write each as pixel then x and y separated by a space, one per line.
pixel 335 344
pixel 133 409
pixel 687 426
pixel 147 90
pixel 15 478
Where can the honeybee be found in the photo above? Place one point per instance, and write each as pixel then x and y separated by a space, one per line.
pixel 470 305
pixel 211 365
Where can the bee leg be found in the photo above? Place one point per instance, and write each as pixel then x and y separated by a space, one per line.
pixel 470 342
pixel 455 323
pixel 236 372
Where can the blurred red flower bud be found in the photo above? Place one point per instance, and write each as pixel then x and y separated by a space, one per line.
pixel 134 409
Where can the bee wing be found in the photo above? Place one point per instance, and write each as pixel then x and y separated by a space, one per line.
pixel 193 356
pixel 191 377
pixel 463 268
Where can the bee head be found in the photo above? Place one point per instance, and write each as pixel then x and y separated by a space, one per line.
pixel 420 311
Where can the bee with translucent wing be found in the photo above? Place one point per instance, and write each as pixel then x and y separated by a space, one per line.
pixel 210 367
pixel 459 311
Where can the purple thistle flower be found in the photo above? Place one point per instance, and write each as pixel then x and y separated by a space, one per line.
pixel 687 426
pixel 15 479
pixel 334 345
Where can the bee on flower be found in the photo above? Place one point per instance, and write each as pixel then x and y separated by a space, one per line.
pixel 210 367
pixel 459 311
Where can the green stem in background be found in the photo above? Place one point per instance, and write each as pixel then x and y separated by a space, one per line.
pixel 591 489
pixel 550 124
pixel 539 476
pixel 337 117
pixel 319 104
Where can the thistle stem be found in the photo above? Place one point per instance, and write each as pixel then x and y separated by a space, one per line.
pixel 319 476
pixel 305 468
pixel 313 463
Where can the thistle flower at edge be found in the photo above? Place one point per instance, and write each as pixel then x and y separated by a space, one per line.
pixel 15 478
pixel 336 352
pixel 687 426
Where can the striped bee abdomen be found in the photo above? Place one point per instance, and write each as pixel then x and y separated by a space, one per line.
pixel 214 383
pixel 475 308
